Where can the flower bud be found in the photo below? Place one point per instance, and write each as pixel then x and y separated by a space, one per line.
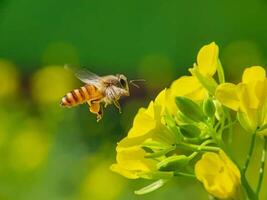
pixel 219 113
pixel 189 130
pixel 209 107
pixel 189 108
pixel 173 163
pixel 219 175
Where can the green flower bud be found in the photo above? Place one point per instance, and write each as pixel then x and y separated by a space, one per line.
pixel 173 163
pixel 209 107
pixel 190 109
pixel 219 114
pixel 189 130
pixel 181 118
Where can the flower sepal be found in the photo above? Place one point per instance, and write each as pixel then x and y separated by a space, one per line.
pixel 245 122
pixel 206 81
pixel 262 130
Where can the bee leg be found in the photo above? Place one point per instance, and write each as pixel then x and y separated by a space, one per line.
pixel 117 104
pixel 106 104
pixel 96 108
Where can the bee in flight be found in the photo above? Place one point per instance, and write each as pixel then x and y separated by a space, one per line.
pixel 97 90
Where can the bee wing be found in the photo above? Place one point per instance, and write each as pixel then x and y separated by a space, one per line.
pixel 86 76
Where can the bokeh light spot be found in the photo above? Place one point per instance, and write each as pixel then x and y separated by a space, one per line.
pixel 51 83
pixel 239 55
pixel 9 79
pixel 101 183
pixel 28 149
pixel 157 69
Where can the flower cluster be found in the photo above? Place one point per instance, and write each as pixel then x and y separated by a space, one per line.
pixel 180 133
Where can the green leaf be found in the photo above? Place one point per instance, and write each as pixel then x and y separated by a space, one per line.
pixel 152 187
pixel 190 109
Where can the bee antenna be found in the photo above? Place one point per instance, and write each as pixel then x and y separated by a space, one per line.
pixel 136 80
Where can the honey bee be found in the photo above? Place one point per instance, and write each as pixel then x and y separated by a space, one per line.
pixel 97 90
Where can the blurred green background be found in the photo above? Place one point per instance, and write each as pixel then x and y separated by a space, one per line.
pixel 48 152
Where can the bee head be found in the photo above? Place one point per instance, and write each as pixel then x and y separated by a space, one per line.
pixel 123 83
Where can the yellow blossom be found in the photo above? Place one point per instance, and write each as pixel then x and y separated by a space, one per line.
pixel 248 98
pixel 149 126
pixel 190 86
pixel 131 162
pixel 220 176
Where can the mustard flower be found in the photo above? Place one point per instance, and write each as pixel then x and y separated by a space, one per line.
pixel 248 98
pixel 206 66
pixel 131 162
pixel 220 176
pixel 148 128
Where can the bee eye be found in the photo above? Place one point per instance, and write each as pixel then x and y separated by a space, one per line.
pixel 123 82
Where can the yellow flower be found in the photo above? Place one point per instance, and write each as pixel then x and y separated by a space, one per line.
pixel 207 64
pixel 131 162
pixel 148 126
pixel 220 176
pixel 149 121
pixel 248 98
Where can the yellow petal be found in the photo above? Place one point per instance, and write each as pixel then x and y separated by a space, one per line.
pixel 161 97
pixel 227 94
pixel 253 74
pixel 232 167
pixel 188 86
pixel 124 172
pixel 218 174
pixel 131 162
pixel 143 122
pixel 260 92
pixel 207 59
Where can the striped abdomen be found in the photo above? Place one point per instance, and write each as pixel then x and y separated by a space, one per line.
pixel 81 95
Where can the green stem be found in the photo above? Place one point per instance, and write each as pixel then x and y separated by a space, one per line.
pixel 220 72
pixel 184 174
pixel 249 191
pixel 229 126
pixel 263 155
pixel 252 143
pixel 198 148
